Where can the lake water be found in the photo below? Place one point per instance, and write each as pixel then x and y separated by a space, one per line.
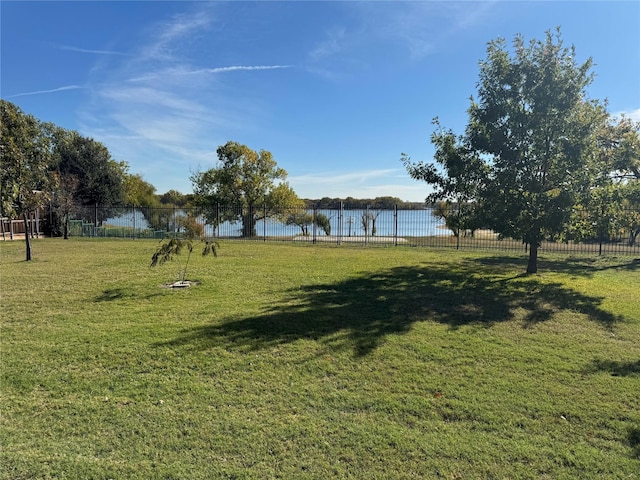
pixel 345 223
pixel 410 223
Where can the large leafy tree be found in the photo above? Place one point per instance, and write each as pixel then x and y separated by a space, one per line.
pixel 25 184
pixel 249 180
pixel 535 129
pixel 100 179
pixel 88 175
pixel 534 124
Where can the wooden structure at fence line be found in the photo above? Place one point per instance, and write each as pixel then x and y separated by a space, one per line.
pixel 15 228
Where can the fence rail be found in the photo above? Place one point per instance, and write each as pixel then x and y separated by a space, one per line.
pixel 15 228
pixel 337 226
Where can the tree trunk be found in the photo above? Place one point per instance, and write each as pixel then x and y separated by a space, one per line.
pixel 532 265
pixel 66 227
pixel 27 238
pixel 249 224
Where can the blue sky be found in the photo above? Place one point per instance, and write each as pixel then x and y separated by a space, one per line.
pixel 335 90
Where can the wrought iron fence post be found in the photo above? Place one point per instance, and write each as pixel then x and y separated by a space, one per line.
pixel 395 224
pixel 340 223
pixel 217 223
pixel 95 216
pixel 315 222
pixel 264 222
pixel 366 226
pixel 459 228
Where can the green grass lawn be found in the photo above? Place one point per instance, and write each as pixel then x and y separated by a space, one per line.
pixel 301 361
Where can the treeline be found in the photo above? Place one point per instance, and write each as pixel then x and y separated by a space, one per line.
pixel 378 203
pixel 49 167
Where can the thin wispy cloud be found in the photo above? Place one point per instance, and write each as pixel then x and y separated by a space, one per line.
pixel 466 15
pixel 201 71
pixel 244 68
pixel 42 92
pixel 331 45
pixel 350 177
pixel 360 184
pixel 92 51
pixel 165 40
pixel 422 27
pixel 415 28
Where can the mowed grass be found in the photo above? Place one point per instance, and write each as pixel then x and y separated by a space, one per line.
pixel 301 361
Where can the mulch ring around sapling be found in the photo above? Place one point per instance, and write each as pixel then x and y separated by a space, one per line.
pixel 180 284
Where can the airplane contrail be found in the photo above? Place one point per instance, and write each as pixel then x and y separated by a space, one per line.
pixel 39 92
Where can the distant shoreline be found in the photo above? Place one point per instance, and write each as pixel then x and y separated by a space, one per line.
pixel 346 239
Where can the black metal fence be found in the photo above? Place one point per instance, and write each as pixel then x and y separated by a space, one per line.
pixel 333 226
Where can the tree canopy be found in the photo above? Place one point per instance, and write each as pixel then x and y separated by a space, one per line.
pixel 530 152
pixel 137 191
pixel 249 180
pixel 382 203
pixel 100 179
pixel 24 164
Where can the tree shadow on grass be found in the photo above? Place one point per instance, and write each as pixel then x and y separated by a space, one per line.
pixel 119 293
pixel 360 312
pixel 579 266
pixel 615 368
pixel 634 441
